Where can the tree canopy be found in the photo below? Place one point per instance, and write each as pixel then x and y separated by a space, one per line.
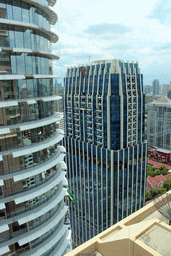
pixel 167 184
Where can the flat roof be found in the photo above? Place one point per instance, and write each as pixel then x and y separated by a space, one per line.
pixel 157 238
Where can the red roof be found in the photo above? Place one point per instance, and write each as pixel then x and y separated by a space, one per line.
pixel 157 164
pixel 155 181
pixel 167 176
pixel 148 187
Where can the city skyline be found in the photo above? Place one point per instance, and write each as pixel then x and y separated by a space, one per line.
pixel 126 30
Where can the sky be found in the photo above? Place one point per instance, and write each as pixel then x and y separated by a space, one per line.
pixel 105 29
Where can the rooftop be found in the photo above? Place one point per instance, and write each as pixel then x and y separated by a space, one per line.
pixel 161 100
pixel 151 162
pixel 145 232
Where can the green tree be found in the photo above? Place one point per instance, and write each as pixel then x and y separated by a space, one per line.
pixel 162 190
pixel 163 170
pixel 149 168
pixel 150 173
pixel 155 192
pixel 167 184
pixel 148 196
pixel 157 171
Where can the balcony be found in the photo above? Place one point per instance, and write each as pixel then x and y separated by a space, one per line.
pixel 36 146
pixel 37 232
pixel 35 191
pixel 49 243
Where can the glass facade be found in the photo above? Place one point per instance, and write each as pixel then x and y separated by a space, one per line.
pixel 106 150
pixel 31 157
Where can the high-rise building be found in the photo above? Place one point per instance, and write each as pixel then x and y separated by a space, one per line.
pixel 106 150
pixel 32 170
pixel 165 89
pixel 159 123
pixel 155 87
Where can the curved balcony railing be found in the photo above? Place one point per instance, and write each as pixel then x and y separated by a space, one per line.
pixel 44 228
pixel 19 77
pixel 32 124
pixel 12 103
pixel 49 243
pixel 51 14
pixel 41 203
pixel 37 232
pixel 44 210
pixel 56 159
pixel 52 36
pixel 36 212
pixel 34 192
pixel 64 245
pixel 29 52
pixel 36 146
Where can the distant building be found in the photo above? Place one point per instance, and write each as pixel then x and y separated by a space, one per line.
pixel 165 89
pixel 159 154
pixel 159 123
pixel 155 87
pixel 157 181
pixel 169 94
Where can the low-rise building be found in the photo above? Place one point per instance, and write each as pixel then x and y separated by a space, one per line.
pixel 155 182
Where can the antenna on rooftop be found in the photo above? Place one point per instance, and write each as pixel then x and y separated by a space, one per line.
pixel 162 203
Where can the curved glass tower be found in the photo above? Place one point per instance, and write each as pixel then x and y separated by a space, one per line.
pixel 32 171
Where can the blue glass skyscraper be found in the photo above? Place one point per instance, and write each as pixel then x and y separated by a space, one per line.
pixel 106 150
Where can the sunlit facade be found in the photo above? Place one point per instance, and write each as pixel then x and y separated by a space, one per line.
pixel 32 170
pixel 106 150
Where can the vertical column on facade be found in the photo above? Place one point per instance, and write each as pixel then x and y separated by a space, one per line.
pixel 145 169
pixel 97 190
pixel 141 162
pixel 72 166
pixel 81 186
pixel 112 186
pixel 88 188
pixel 123 181
pixel 121 106
pixel 128 185
pixel 135 87
pixel 92 161
pixel 77 189
pixel 102 187
pixel 142 103
pixel 137 169
pixel 107 194
pixel 132 185
pixel 118 201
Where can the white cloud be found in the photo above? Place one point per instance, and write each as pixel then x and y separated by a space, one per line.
pixel 129 30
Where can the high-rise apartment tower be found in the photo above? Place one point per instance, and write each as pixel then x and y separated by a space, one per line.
pixel 155 87
pixel 32 171
pixel 106 150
